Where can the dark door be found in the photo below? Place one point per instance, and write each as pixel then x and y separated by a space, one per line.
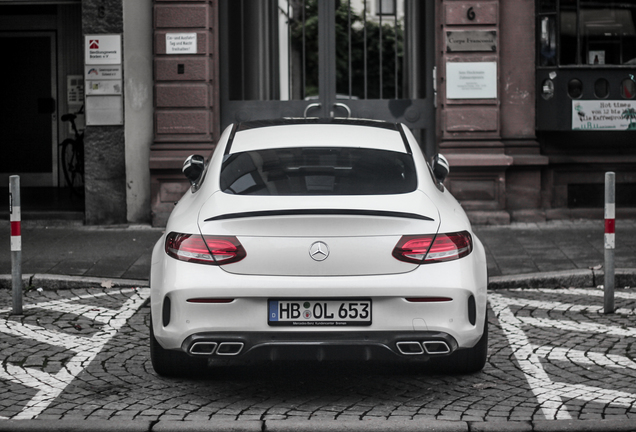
pixel 27 111
pixel 329 58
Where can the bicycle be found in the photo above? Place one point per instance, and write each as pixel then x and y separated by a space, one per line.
pixel 72 156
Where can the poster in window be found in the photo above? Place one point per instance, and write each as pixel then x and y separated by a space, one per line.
pixel 596 57
pixel 604 115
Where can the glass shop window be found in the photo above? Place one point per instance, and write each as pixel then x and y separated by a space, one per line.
pixel 586 32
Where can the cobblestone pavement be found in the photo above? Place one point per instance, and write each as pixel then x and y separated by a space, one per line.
pixel 82 354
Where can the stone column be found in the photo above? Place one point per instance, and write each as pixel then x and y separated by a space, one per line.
pixel 104 146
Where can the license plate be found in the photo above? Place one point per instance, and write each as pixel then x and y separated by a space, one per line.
pixel 324 313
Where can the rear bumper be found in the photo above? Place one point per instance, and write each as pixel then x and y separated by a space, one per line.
pixel 375 345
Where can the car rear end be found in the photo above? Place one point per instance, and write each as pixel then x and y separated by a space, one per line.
pixel 318 242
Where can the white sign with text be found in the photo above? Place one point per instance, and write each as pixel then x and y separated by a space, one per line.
pixel 471 80
pixel 603 115
pixel 181 43
pixel 102 49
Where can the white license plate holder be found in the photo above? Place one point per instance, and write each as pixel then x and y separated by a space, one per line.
pixel 319 312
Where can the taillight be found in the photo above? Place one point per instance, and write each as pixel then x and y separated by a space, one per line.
pixel 425 249
pixel 214 250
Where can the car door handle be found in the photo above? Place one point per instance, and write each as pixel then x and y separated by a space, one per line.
pixel 311 106
pixel 341 105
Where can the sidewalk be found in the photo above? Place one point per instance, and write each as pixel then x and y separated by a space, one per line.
pixel 560 253
pixel 550 254
pixel 61 255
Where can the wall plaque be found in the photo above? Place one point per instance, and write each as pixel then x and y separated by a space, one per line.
pixel 471 80
pixel 181 43
pixel 102 49
pixel 478 40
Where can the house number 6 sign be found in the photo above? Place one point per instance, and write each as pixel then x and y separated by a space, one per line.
pixel 470 14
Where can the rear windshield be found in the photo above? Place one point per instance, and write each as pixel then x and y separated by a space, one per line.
pixel 318 171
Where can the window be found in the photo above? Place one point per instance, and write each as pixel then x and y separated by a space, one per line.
pixel 318 171
pixel 385 7
pixel 586 32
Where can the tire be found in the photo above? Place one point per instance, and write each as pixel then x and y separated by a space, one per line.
pixel 169 363
pixel 470 360
pixel 73 166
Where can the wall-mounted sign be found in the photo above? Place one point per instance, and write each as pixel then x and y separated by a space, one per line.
pixel 102 49
pixel 471 41
pixel 603 115
pixel 181 43
pixel 104 110
pixel 103 77
pixel 102 72
pixel 74 89
pixel 471 80
pixel 103 87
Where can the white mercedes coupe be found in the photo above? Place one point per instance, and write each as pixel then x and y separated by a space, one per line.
pixel 317 239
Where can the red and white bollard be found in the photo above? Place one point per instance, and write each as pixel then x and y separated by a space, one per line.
pixel 16 243
pixel 610 242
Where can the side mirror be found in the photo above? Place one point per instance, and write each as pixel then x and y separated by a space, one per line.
pixel 193 168
pixel 441 168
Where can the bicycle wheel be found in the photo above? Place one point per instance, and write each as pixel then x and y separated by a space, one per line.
pixel 72 166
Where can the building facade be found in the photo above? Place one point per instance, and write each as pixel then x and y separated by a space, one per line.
pixel 531 101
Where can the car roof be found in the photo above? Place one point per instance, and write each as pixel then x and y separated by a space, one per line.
pixel 317 132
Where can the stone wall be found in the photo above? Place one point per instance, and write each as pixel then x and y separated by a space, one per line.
pixel 104 146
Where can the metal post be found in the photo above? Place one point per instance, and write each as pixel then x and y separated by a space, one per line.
pixel 610 242
pixel 16 243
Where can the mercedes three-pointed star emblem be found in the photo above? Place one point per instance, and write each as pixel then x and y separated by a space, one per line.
pixel 319 251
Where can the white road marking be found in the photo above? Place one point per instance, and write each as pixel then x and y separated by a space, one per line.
pixel 560 306
pixel 584 327
pixel 582 291
pixel 588 358
pixel 41 334
pixel 550 402
pixel 50 386
pixel 552 394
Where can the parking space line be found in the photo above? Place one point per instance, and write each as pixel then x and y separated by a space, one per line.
pixel 46 304
pixel 50 386
pixel 552 394
pixel 561 307
pixel 551 404
pixel 584 327
pixel 585 292
pixel 30 377
pixel 588 358
pixel 41 334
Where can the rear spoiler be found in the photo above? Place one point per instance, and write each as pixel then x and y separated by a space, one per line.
pixel 302 212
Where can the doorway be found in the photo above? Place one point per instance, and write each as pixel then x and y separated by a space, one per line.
pixel 28 111
pixel 41 48
pixel 329 58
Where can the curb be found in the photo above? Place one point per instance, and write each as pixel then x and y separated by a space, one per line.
pixel 584 278
pixel 399 425
pixel 52 281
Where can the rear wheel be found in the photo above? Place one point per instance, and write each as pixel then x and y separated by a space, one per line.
pixel 171 363
pixel 473 359
pixel 73 166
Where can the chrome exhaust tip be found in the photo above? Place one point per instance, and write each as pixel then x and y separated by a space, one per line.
pixel 409 348
pixel 229 348
pixel 203 348
pixel 436 347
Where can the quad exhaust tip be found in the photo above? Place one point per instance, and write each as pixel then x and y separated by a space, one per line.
pixel 203 348
pixel 410 348
pixel 418 348
pixel 220 349
pixel 436 347
pixel 229 348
